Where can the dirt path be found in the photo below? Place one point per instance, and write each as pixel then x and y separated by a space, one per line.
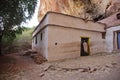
pixel 12 64
pixel 104 67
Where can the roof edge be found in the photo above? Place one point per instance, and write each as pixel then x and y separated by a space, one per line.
pixel 64 27
pixel 65 15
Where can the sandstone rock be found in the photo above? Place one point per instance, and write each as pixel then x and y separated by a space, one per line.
pixel 87 9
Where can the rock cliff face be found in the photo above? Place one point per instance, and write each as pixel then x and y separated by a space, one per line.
pixel 87 9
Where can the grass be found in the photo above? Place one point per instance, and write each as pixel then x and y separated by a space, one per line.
pixel 23 41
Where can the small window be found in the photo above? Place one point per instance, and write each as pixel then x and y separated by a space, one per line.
pixel 103 35
pixel 36 40
pixel 41 36
pixel 118 16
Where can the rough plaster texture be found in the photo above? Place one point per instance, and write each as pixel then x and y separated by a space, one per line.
pixel 75 22
pixel 111 39
pixel 69 42
pixel 41 25
pixel 62 36
pixel 68 21
pixel 42 45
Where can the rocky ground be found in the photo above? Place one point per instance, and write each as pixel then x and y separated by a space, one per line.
pixel 96 67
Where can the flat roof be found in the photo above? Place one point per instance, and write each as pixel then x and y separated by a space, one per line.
pixel 60 19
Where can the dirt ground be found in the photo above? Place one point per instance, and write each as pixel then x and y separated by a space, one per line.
pixel 96 67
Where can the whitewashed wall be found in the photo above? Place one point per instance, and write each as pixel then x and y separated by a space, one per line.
pixel 110 37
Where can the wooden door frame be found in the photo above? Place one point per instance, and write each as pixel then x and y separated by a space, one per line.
pixel 87 42
pixel 115 40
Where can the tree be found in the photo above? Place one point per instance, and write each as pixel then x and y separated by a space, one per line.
pixel 12 14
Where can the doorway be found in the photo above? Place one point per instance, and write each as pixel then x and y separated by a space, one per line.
pixel 118 40
pixel 85 51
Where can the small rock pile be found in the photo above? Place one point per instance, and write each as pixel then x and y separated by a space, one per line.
pixel 39 59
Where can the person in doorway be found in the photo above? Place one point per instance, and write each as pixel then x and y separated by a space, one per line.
pixel 85 46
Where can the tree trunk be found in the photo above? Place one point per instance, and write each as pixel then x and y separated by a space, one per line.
pixel 0 45
pixel 1 36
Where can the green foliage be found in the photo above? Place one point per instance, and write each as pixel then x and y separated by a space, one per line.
pixel 10 35
pixel 19 43
pixel 23 41
pixel 12 14
pixel 16 11
pixel 27 34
